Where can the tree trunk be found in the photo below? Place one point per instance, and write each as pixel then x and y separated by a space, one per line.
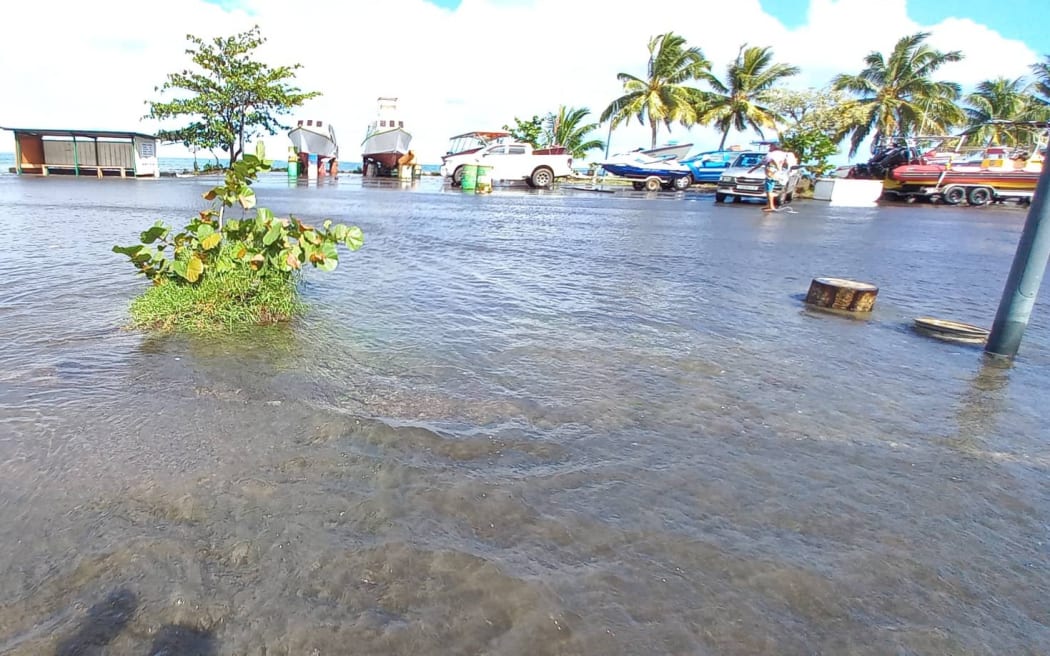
pixel 656 126
pixel 722 145
pixel 841 294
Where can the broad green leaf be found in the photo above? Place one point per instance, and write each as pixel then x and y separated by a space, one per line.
pixel 339 232
pixel 354 238
pixel 194 269
pixel 247 199
pixel 157 231
pixel 263 214
pixel 130 251
pixel 211 241
pixel 273 234
pixel 327 224
pixel 179 267
pixel 204 231
pixel 233 225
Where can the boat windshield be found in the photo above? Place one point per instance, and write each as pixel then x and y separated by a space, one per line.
pixel 474 140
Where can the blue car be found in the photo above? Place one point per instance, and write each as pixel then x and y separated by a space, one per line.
pixel 708 167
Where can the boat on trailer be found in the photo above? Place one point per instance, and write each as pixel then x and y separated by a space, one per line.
pixel 386 140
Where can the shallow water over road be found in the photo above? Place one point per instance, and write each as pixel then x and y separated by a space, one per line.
pixel 523 423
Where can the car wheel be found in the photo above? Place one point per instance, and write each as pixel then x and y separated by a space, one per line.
pixel 720 198
pixel 457 177
pixel 652 184
pixel 542 177
pixel 638 186
pixel 682 183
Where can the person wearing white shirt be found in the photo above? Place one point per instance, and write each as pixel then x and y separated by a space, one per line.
pixel 777 164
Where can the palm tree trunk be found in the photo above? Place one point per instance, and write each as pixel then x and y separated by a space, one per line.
pixel 656 126
pixel 722 145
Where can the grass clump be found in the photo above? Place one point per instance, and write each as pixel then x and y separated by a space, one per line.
pixel 220 302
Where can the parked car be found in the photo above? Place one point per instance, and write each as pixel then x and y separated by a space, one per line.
pixel 512 161
pixel 738 181
pixel 708 167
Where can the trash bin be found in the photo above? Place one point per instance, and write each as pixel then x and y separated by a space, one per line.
pixel 293 164
pixel 484 182
pixel 470 177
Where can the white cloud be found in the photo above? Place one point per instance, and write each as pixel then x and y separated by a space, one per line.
pixel 475 67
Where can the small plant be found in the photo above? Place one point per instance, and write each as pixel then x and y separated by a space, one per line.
pixel 238 265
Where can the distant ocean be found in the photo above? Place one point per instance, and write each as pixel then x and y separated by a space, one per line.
pixel 180 164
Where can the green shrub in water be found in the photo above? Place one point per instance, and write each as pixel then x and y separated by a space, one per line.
pixel 216 275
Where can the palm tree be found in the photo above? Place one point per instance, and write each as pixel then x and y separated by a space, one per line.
pixel 1000 99
pixel 900 95
pixel 567 128
pixel 1041 86
pixel 665 96
pixel 739 102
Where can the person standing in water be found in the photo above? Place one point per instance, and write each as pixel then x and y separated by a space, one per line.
pixel 775 164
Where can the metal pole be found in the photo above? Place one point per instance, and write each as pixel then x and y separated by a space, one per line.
pixel 1026 274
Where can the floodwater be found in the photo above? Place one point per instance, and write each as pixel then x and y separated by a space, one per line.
pixel 523 423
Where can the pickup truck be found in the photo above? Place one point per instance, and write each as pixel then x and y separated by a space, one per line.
pixel 512 161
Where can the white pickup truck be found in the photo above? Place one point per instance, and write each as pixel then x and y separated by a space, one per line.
pixel 512 161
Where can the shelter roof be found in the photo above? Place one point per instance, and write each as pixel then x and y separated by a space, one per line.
pixel 67 132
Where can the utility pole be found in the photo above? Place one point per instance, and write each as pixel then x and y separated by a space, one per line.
pixel 1026 274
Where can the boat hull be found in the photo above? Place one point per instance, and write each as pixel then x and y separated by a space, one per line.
pixel 309 141
pixel 386 147
pixel 676 151
pixel 641 172
pixel 932 175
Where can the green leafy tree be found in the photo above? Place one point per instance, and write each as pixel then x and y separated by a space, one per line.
pixel 665 95
pixel 814 122
pixel 569 127
pixel 740 102
pixel 995 108
pixel 530 131
pixel 230 98
pixel 899 94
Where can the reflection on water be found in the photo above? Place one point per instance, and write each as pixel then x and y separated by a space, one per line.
pixel 524 424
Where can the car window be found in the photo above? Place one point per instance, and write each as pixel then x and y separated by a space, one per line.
pixel 748 160
pixel 517 150
pixel 497 150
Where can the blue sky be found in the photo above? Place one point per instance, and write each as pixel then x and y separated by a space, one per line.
pixel 461 65
pixel 1025 20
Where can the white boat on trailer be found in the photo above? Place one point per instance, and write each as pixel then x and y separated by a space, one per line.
pixel 385 141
